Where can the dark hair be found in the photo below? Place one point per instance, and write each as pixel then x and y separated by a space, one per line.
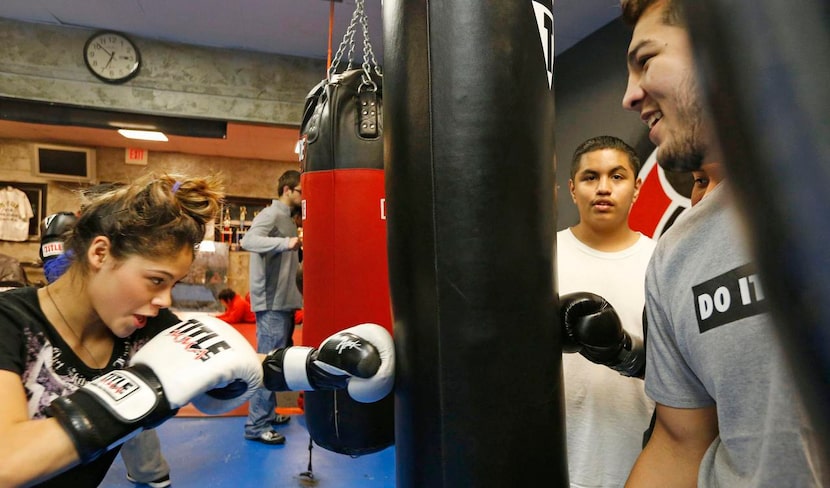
pixel 290 178
pixel 605 142
pixel 156 215
pixel 226 295
pixel 632 10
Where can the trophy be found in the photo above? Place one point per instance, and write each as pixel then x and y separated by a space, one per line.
pixel 240 232
pixel 227 232
pixel 243 210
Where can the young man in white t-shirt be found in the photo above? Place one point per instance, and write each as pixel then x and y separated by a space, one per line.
pixel 606 412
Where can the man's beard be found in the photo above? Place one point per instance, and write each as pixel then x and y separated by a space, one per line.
pixel 684 151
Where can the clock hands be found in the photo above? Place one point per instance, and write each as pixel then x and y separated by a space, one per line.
pixel 101 47
pixel 112 54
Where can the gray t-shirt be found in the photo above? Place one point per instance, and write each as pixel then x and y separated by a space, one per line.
pixel 711 341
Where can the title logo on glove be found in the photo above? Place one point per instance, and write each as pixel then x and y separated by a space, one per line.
pixel 52 249
pixel 198 338
pixel 116 384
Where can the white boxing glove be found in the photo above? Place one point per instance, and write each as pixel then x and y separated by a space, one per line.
pixel 205 361
pixel 360 359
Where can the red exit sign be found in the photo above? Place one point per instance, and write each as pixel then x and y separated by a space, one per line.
pixel 135 155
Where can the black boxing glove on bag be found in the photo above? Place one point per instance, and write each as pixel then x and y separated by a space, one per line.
pixel 360 359
pixel 592 328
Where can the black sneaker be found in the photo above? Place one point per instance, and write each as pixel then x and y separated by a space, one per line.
pixel 162 482
pixel 270 437
pixel 280 419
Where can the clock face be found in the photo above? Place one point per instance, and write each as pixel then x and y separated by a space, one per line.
pixel 112 57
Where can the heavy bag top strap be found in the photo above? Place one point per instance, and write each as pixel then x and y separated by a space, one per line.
pixel 311 101
pixel 369 113
pixel 369 61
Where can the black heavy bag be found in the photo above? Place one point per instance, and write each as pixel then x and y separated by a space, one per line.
pixel 469 120
pixel 764 66
pixel 345 272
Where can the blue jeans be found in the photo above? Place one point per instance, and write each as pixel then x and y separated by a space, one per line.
pixel 272 329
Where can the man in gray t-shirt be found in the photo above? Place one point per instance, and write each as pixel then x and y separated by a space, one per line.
pixel 727 410
pixel 274 245
pixel 712 350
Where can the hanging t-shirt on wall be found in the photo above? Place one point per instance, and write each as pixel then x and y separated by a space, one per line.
pixel 15 212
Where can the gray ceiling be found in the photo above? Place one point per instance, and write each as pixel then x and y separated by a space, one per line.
pixel 293 27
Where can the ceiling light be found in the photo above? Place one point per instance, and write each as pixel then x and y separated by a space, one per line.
pixel 144 135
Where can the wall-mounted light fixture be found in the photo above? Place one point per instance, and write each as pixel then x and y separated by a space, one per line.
pixel 143 135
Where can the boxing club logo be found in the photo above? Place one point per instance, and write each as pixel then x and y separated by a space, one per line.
pixel 659 203
pixel 198 338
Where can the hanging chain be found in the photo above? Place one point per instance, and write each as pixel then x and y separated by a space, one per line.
pixel 368 53
pixel 369 62
pixel 348 41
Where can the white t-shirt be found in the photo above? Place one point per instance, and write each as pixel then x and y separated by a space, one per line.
pixel 15 212
pixel 605 413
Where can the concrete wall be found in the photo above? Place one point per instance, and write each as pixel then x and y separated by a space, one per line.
pixel 45 63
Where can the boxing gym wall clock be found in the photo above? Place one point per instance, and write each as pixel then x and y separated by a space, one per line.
pixel 112 57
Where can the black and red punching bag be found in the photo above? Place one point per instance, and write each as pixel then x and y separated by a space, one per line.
pixel 469 120
pixel 345 271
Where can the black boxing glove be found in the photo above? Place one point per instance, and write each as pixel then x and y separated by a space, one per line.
pixel 360 359
pixel 53 234
pixel 591 327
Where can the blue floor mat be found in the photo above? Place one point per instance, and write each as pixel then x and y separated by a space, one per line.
pixel 212 452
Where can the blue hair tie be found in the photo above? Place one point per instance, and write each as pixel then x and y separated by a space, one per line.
pixel 176 186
